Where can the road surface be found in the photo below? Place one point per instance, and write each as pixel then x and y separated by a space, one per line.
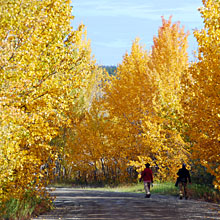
pixel 82 204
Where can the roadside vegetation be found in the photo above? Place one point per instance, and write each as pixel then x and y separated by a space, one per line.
pixel 23 209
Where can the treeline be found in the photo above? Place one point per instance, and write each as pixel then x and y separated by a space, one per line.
pixel 112 70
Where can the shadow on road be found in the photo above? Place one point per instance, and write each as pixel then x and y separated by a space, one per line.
pixel 102 205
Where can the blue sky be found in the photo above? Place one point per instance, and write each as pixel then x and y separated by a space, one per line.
pixel 112 25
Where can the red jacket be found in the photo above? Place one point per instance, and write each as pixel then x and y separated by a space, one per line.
pixel 147 175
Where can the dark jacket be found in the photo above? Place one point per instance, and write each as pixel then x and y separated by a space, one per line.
pixel 183 175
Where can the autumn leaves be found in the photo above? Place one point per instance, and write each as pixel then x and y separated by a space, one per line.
pixel 56 102
pixel 142 120
pixel 158 108
pixel 45 70
pixel 202 99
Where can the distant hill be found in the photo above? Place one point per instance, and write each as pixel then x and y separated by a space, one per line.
pixel 110 69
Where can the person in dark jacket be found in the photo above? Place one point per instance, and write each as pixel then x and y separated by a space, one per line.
pixel 182 180
pixel 147 177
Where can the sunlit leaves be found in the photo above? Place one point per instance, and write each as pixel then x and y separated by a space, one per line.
pixel 136 119
pixel 45 67
pixel 202 97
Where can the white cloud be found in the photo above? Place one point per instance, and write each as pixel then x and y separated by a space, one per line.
pixel 118 43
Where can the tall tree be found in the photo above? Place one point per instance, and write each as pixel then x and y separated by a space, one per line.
pixel 163 127
pixel 168 62
pixel 45 66
pixel 202 97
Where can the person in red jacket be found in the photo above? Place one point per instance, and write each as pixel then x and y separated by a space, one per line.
pixel 147 177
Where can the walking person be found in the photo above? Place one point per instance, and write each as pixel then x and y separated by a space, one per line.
pixel 182 180
pixel 147 177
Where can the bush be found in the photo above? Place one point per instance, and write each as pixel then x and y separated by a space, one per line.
pixel 204 192
pixel 29 205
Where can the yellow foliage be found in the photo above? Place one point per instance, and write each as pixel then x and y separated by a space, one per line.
pixel 55 103
pixel 202 95
pixel 202 102
pixel 45 67
pixel 136 119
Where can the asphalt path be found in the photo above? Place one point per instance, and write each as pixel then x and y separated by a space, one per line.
pixel 82 204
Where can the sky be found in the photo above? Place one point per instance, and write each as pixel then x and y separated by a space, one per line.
pixel 112 25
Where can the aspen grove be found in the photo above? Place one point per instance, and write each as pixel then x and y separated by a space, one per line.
pixel 64 117
pixel 46 67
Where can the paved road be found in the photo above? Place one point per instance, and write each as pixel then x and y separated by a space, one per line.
pixel 101 205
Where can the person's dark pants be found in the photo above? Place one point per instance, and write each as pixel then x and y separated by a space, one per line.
pixel 183 190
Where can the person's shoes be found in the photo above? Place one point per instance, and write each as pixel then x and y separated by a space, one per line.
pixel 147 196
pixel 181 197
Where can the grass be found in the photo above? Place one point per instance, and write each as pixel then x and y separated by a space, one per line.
pixel 204 192
pixel 158 188
pixel 166 188
pixel 14 209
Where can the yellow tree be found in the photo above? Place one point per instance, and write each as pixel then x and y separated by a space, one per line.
pixel 202 97
pixel 105 138
pixel 161 126
pixel 135 120
pixel 135 105
pixel 79 149
pixel 127 98
pixel 87 149
pixel 45 66
pixel 168 63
